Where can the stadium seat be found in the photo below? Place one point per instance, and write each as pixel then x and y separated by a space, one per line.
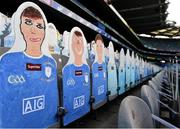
pixel 135 113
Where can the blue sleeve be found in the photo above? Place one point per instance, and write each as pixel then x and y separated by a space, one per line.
pixel 11 58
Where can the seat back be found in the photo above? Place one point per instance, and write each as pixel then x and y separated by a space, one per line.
pixel 151 83
pixel 150 97
pixel 134 113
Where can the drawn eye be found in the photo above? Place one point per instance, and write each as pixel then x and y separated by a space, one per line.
pixel 40 26
pixel 28 22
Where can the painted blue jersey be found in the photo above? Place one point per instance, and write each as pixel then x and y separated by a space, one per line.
pixel 29 94
pixel 132 74
pixel 112 79
pixel 139 75
pixel 128 75
pixel 99 83
pixel 122 79
pixel 136 73
pixel 76 91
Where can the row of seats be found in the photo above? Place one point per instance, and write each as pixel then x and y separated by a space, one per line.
pixel 109 77
pixel 39 88
pixel 150 111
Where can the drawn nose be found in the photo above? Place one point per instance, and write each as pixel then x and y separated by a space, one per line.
pixel 33 31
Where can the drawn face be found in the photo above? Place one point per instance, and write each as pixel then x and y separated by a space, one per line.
pixel 99 49
pixel 77 45
pixel 33 30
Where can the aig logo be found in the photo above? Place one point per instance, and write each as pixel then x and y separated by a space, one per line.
pixel 79 101
pixel 33 104
pixel 100 90
pixel 16 79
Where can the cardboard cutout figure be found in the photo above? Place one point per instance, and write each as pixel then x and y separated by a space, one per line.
pixel 76 79
pixel 53 39
pixel 65 43
pixel 117 58
pixel 99 77
pixel 53 45
pixel 145 68
pixel 112 73
pixel 92 52
pixel 122 74
pixel 149 69
pixel 29 95
pixel 136 69
pixel 132 69
pixel 141 68
pixel 128 70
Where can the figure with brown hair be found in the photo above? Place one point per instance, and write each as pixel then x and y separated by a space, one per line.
pixel 33 31
pixel 99 77
pixel 30 94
